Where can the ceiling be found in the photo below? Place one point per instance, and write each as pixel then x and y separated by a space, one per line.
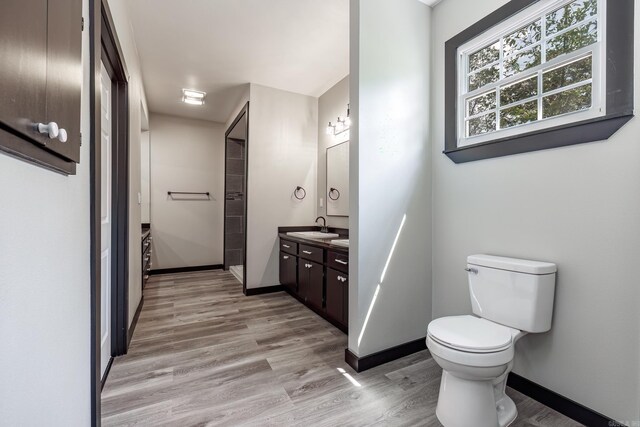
pixel 217 46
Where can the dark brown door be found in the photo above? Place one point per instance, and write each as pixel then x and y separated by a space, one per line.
pixel 23 52
pixel 337 283
pixel 315 288
pixel 288 271
pixel 64 74
pixel 303 278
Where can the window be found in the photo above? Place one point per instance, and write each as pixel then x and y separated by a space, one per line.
pixel 527 72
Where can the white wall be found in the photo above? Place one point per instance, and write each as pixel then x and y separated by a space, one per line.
pixel 240 103
pixel 121 13
pixel 283 144
pixel 44 287
pixel 145 176
pixel 389 173
pixel 186 155
pixel 331 104
pixel 577 206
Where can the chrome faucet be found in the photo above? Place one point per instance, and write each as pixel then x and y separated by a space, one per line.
pixel 324 228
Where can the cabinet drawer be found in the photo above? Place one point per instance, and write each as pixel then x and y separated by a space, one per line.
pixel 289 247
pixel 311 253
pixel 338 261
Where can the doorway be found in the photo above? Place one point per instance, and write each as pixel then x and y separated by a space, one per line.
pixel 109 200
pixel 235 196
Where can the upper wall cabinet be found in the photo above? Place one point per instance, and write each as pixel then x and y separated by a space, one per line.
pixel 41 81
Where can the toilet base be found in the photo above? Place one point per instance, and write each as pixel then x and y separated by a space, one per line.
pixel 482 403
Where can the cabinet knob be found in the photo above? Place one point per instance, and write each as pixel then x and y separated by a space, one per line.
pixel 50 129
pixel 62 136
pixel 285 257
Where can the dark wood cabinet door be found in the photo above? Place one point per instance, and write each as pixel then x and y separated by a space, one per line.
pixel 289 271
pixel 303 279
pixel 64 74
pixel 316 284
pixel 23 52
pixel 337 300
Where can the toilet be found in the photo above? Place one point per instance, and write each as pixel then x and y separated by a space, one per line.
pixel 510 298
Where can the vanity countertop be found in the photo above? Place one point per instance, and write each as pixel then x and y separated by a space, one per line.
pixel 323 243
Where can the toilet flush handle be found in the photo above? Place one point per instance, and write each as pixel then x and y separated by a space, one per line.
pixel 471 270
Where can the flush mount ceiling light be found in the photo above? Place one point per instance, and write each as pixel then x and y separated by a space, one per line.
pixel 342 124
pixel 193 97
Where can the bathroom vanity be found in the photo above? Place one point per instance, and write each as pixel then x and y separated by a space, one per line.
pixel 315 271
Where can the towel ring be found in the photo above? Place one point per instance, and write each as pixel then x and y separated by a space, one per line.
pixel 298 190
pixel 334 190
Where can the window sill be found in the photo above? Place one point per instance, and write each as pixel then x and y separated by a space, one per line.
pixel 591 130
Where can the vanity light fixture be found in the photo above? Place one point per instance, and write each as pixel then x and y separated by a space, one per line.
pixel 193 97
pixel 342 124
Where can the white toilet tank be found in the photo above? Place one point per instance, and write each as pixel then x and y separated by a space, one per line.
pixel 513 292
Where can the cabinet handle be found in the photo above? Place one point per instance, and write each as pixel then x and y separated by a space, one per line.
pixel 62 137
pixel 307 252
pixel 342 279
pixel 285 257
pixel 339 261
pixel 286 246
pixel 51 129
pixel 146 277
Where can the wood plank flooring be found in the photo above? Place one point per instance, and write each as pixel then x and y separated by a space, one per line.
pixel 204 354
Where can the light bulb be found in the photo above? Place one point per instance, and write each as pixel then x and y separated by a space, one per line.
pixel 330 129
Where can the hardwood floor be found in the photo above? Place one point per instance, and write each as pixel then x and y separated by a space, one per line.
pixel 204 354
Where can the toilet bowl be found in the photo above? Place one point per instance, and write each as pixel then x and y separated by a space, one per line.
pixel 476 356
pixel 510 298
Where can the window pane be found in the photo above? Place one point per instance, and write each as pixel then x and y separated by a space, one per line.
pixel 567 102
pixel 521 61
pixel 484 56
pixel 518 91
pixel 482 124
pixel 483 77
pixel 572 40
pixel 570 14
pixel 520 114
pixel 573 72
pixel 481 103
pixel 525 36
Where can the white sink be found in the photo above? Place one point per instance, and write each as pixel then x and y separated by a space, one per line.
pixel 312 235
pixel 341 242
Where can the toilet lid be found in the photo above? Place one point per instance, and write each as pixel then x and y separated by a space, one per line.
pixel 469 333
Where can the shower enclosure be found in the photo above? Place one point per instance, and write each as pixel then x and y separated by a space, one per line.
pixel 235 206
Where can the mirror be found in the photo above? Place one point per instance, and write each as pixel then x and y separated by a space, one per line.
pixel 338 180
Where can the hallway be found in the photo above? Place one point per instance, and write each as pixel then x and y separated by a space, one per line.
pixel 204 354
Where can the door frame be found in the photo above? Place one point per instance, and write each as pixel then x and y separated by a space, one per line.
pixel 105 48
pixel 243 112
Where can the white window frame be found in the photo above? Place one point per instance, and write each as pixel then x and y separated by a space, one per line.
pixel 496 34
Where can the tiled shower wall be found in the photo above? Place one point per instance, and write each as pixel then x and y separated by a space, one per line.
pixel 235 196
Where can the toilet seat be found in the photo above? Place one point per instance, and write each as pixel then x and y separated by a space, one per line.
pixel 471 341
pixel 471 334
